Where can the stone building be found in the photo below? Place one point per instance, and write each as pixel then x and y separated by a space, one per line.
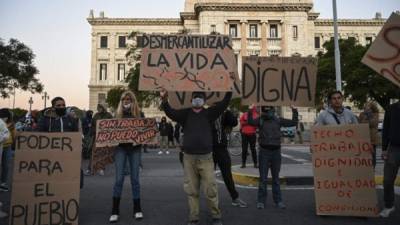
pixel 257 27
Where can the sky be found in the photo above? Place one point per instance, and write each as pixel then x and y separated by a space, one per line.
pixel 59 35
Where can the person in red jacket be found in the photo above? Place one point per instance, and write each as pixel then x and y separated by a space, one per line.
pixel 248 137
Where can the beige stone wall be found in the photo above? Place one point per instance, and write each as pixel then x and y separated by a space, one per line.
pixel 285 45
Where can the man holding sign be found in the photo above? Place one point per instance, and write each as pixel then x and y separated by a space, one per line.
pixel 198 146
pixel 336 113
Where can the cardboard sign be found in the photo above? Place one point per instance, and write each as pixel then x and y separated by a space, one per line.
pixel 187 63
pixel 343 171
pixel 46 179
pixel 181 100
pixel 112 132
pixel 384 54
pixel 279 81
pixel 101 157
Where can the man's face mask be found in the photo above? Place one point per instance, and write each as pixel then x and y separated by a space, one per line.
pixel 60 111
pixel 267 112
pixel 197 102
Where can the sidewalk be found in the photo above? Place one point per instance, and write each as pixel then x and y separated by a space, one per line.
pixel 291 174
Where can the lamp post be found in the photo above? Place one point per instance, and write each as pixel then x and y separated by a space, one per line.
pixel 30 104
pixel 337 50
pixel 45 97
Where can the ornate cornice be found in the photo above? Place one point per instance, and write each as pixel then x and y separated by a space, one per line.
pixel 199 7
pixel 188 16
pixel 135 21
pixel 351 22
pixel 313 15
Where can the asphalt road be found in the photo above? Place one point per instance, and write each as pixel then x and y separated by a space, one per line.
pixel 165 203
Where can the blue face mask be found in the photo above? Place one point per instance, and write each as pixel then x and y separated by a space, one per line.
pixel 197 102
pixel 268 114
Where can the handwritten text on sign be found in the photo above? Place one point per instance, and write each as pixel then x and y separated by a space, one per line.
pixel 343 171
pixel 279 81
pixel 46 179
pixel 384 54
pixel 101 157
pixel 187 63
pixel 112 132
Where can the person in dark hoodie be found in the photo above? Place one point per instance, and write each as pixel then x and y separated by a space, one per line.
pixel 269 155
pixel 221 155
pixel 55 119
pixel 197 145
pixel 391 155
pixel 126 152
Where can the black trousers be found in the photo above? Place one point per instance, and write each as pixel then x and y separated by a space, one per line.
pixel 246 140
pixel 223 160
pixel 390 170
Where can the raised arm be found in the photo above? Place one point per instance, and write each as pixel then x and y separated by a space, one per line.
pixel 175 115
pixel 293 122
pixel 215 111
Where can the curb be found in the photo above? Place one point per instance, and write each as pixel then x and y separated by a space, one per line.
pixel 252 180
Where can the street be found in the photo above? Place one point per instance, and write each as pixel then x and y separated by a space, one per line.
pixel 165 203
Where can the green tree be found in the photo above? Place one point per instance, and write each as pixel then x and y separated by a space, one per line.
pixel 114 95
pixel 17 69
pixel 360 83
pixel 144 98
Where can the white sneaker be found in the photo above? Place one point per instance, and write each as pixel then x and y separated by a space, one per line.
pixel 160 152
pixel 101 172
pixel 138 216
pixel 114 218
pixel 167 152
pixel 386 212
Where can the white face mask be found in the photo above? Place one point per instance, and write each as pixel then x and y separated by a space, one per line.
pixel 127 106
pixel 197 102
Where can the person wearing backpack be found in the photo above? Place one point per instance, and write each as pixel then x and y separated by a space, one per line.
pixel 336 114
pixel 269 156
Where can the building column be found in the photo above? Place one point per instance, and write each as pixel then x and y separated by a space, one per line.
pixel 243 37
pixel 283 38
pixel 264 40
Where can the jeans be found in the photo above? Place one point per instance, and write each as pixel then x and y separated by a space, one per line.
pixel 164 143
pixel 5 163
pixel 246 140
pixel 199 171
pixel 269 159
pixel 390 170
pixel 121 156
pixel 223 160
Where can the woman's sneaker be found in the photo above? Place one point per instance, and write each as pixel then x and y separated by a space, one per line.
pixel 4 187
pixel 138 215
pixel 386 212
pixel 280 205
pixel 260 205
pixel 114 218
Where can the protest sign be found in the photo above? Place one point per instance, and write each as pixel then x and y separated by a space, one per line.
pixel 101 157
pixel 112 132
pixel 384 54
pixel 46 179
pixel 279 81
pixel 181 100
pixel 187 63
pixel 344 180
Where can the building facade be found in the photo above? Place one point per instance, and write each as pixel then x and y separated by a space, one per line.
pixel 257 27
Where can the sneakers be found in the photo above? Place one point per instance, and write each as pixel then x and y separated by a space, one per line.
pixel 194 222
pixel 138 215
pixel 260 205
pixel 160 152
pixel 243 166
pixel 101 173
pixel 216 222
pixel 280 205
pixel 167 152
pixel 114 218
pixel 386 212
pixel 4 187
pixel 239 202
pixel 87 173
